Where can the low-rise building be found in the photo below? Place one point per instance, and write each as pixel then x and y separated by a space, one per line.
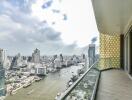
pixel 38 69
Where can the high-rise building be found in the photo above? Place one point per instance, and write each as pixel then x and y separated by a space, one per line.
pixel 2 73
pixel 91 54
pixel 36 56
pixel 57 63
pixel 16 62
pixel 61 57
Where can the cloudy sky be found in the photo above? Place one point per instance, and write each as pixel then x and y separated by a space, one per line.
pixel 53 26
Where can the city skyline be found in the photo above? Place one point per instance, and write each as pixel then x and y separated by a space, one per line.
pixel 65 50
pixel 54 28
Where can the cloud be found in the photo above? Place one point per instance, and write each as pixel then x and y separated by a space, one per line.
pixel 47 4
pixel 23 5
pixel 65 17
pixel 21 32
pixel 55 11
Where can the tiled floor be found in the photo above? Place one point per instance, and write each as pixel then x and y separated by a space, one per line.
pixel 114 85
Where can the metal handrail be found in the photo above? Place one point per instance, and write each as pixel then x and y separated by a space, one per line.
pixel 68 91
pixel 95 88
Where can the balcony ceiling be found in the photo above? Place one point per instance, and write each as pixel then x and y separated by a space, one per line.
pixel 113 16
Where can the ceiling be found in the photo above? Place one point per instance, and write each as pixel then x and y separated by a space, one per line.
pixel 113 16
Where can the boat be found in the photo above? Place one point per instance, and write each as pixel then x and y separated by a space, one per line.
pixel 74 78
pixel 69 83
pixel 58 95
pixel 30 92
pixel 27 85
pixel 56 98
pixel 55 70
pixel 38 79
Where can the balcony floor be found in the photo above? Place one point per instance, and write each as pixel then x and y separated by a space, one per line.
pixel 114 85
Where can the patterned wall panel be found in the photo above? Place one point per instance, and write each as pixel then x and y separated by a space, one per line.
pixel 109 51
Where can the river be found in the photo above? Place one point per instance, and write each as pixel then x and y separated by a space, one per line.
pixel 47 88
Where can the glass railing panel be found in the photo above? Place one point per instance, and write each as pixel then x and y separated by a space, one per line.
pixel 85 87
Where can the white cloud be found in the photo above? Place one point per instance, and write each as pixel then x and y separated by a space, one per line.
pixel 22 32
pixel 80 26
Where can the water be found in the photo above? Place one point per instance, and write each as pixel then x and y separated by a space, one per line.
pixel 48 88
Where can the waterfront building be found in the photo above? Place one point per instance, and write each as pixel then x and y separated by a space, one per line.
pixel 83 56
pixel 91 54
pixel 84 60
pixel 32 71
pixel 13 63
pixel 29 59
pixel 62 61
pixel 16 62
pixel 75 60
pixel 19 59
pixel 2 74
pixel 57 63
pixel 61 57
pixel 68 62
pixel 40 70
pixel 36 56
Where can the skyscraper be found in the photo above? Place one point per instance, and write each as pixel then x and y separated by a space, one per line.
pixel 16 62
pixel 91 54
pixel 61 57
pixel 2 73
pixel 36 56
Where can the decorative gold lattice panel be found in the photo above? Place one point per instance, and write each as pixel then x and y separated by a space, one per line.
pixel 109 51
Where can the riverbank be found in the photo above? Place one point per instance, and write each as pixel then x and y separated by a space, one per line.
pixel 11 90
pixel 47 88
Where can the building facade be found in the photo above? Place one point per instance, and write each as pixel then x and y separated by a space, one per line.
pixel 16 62
pixel 2 74
pixel 36 56
pixel 91 54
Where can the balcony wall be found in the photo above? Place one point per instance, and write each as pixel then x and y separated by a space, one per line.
pixel 109 51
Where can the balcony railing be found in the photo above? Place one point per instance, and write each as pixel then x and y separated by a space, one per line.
pixel 85 87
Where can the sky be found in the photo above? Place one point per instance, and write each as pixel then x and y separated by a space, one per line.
pixel 53 26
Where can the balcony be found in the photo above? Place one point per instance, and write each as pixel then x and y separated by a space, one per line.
pixel 114 85
pixel 94 84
